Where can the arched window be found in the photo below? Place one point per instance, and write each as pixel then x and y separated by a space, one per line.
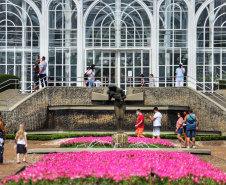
pixel 19 40
pixel 173 29
pixel 62 41
pixel 211 44
pixel 118 40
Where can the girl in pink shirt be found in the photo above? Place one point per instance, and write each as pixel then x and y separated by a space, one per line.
pixel 179 128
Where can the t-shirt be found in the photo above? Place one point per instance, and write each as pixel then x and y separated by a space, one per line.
pixel 158 118
pixel 180 122
pixel 22 142
pixel 98 83
pixel 180 74
pixel 91 74
pixel 37 68
pixel 44 65
pixel 140 117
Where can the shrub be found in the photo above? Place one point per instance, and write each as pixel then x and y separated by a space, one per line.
pixel 5 77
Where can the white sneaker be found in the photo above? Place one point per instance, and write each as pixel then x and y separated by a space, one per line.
pixel 188 147
pixel 194 147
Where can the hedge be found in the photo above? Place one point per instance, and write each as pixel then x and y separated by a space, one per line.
pixel 58 136
pixel 222 84
pixel 5 77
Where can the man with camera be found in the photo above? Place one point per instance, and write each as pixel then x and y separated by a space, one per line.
pixel 180 71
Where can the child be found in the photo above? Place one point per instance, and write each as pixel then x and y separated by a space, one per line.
pixel 179 128
pixel 152 81
pixel 142 80
pixel 97 83
pixel 21 142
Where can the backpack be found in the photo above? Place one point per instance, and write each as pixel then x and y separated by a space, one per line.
pixel 86 76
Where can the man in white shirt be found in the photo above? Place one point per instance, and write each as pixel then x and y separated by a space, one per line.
pixel 43 71
pixel 180 71
pixel 156 123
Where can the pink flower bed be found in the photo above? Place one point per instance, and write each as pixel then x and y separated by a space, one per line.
pixel 109 140
pixel 121 166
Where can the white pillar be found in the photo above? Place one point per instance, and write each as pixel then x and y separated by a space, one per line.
pixel 80 44
pixel 68 25
pixel 117 40
pixel 24 39
pixel 155 44
pixel 192 36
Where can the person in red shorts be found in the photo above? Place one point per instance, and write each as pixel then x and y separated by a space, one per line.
pixel 140 124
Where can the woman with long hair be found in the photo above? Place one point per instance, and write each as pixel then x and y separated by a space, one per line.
pixel 2 138
pixel 179 128
pixel 21 142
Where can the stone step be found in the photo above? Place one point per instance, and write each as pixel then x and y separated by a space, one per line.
pixel 57 150
pixel 215 97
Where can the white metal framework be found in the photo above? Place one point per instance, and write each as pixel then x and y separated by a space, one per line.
pixel 118 36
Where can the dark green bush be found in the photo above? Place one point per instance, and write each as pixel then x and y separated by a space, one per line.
pixel 73 135
pixel 5 77
pixel 222 84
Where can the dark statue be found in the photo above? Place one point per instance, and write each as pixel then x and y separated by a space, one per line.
pixel 119 105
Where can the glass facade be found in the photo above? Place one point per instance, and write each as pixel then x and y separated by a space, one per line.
pixel 120 37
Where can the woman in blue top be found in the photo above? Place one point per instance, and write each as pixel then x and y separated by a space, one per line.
pixel 142 80
pixel 192 124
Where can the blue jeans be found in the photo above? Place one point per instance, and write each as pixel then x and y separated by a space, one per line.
pixel 191 133
pixel 91 83
pixel 180 131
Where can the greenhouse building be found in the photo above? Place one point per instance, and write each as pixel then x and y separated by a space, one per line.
pixel 123 38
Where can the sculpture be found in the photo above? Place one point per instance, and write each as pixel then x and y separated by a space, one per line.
pixel 119 105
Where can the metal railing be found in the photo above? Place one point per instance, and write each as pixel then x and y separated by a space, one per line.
pixel 9 82
pixel 170 81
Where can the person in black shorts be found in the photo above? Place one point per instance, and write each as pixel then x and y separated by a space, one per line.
pixel 36 76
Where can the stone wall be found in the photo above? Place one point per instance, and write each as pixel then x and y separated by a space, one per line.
pixel 33 111
pixel 104 120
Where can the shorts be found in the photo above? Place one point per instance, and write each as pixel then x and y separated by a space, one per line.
pixel 36 78
pixel 180 131
pixel 179 84
pixel 156 130
pixel 191 133
pixel 139 131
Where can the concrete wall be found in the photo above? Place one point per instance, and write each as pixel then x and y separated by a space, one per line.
pixel 33 111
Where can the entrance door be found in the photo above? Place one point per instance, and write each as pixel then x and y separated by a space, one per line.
pixel 118 66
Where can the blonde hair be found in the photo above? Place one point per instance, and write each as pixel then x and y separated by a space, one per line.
pixel 2 126
pixel 20 133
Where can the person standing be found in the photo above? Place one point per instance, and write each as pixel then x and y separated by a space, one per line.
pixel 42 72
pixel 151 81
pixel 36 77
pixel 192 124
pixel 180 71
pixel 139 124
pixel 142 80
pixel 21 142
pixel 157 118
pixel 97 83
pixel 179 128
pixel 185 130
pixel 90 74
pixel 2 138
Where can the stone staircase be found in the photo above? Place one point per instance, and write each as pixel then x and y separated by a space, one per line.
pixel 6 95
pixel 216 97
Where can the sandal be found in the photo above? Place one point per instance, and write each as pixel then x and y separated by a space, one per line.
pixel 18 163
pixel 24 161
